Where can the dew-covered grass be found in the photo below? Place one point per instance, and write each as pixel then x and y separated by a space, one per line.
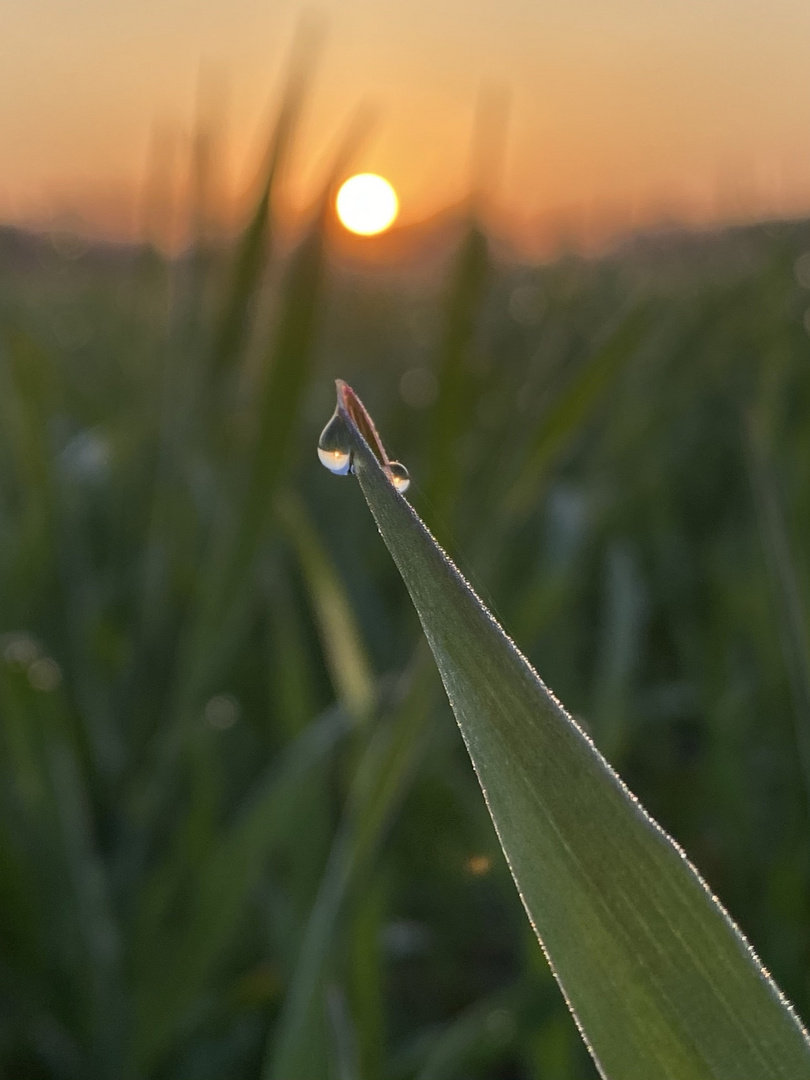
pixel 231 786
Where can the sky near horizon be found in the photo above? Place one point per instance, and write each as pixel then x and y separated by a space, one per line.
pixel 695 109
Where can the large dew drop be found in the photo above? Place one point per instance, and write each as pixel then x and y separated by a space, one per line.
pixel 333 447
pixel 399 477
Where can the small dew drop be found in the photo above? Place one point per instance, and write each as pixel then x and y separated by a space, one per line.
pixel 333 450
pixel 399 476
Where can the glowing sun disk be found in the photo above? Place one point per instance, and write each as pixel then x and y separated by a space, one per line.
pixel 367 204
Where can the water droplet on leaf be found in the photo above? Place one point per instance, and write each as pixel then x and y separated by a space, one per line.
pixel 337 438
pixel 399 477
pixel 334 448
pixel 336 461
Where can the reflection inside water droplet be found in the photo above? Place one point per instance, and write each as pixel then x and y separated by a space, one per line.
pixel 336 461
pixel 399 477
pixel 333 447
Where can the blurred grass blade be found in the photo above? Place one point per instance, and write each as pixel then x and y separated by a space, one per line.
pixel 254 245
pixel 367 976
pixel 477 1037
pixel 660 981
pixel 237 534
pixel 48 799
pixel 466 296
pixel 378 786
pixel 488 144
pixel 344 1035
pixel 346 657
pixel 277 398
pixel 574 404
pixel 287 364
pixel 289 654
pixel 619 649
pixel 173 976
pixel 793 630
pixel 222 606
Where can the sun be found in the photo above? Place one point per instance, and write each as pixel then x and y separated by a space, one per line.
pixel 367 204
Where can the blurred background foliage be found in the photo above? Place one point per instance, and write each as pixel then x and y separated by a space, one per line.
pixel 240 835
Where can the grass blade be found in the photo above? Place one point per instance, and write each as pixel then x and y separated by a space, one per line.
pixel 345 655
pixel 255 242
pixel 380 783
pixel 784 579
pixel 174 973
pixel 465 297
pixel 659 979
pixel 344 1035
pixel 480 1034
pixel 574 404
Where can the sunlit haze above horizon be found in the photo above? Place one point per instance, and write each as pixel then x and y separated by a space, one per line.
pixel 620 112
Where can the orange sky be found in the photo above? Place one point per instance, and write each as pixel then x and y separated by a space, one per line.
pixel 621 109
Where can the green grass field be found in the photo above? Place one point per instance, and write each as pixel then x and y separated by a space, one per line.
pixel 240 836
